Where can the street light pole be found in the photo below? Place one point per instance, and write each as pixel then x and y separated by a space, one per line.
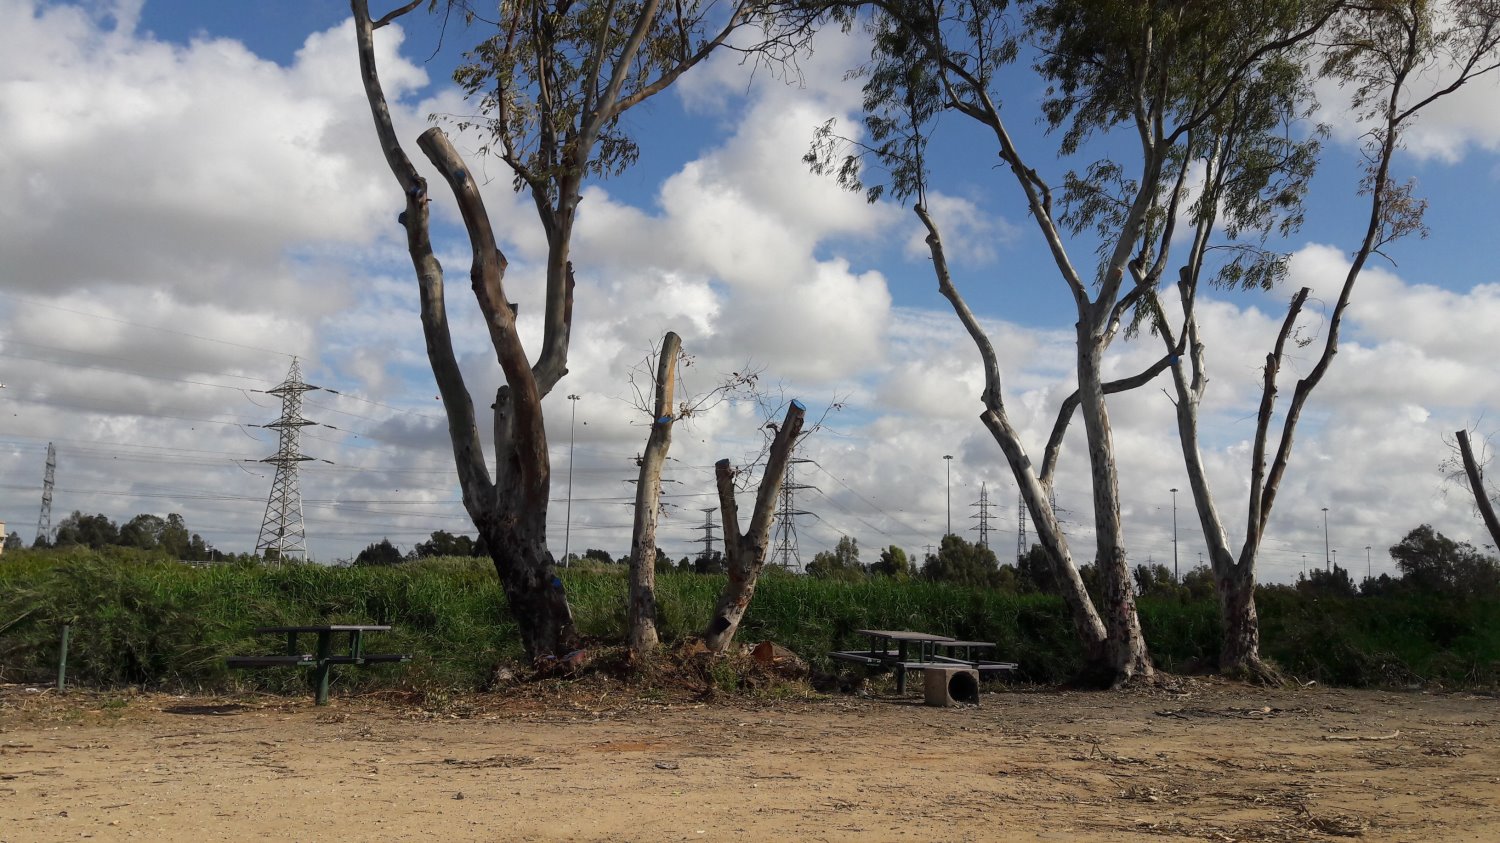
pixel 1369 569
pixel 1327 557
pixel 568 524
pixel 948 458
pixel 1176 576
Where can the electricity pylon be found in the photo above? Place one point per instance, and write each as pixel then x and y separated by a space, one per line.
pixel 283 535
pixel 44 521
pixel 785 553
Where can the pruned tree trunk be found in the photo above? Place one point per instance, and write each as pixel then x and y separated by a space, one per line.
pixel 641 615
pixel 745 552
pixel 1476 485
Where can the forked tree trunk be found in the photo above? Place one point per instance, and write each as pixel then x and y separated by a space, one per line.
pixel 1234 578
pixel 641 615
pixel 510 510
pixel 745 553
pixel 1034 485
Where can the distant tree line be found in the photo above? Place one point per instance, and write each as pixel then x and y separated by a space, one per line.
pixel 169 536
pixel 1427 561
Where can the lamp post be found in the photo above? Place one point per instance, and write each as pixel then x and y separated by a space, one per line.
pixel 1176 577
pixel 1327 557
pixel 1335 562
pixel 948 459
pixel 568 524
pixel 1369 569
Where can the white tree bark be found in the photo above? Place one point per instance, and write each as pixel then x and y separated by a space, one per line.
pixel 641 616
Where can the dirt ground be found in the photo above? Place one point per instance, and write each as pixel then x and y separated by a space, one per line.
pixel 1208 761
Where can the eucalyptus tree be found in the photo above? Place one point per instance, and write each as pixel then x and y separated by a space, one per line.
pixel 551 85
pixel 1398 57
pixel 1139 75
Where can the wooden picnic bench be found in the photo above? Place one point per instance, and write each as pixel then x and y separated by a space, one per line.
pixel 323 658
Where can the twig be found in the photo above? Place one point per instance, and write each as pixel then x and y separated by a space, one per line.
pixel 1391 736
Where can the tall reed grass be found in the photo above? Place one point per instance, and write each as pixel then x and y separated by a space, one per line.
pixel 136 619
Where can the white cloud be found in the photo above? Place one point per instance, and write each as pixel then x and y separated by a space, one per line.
pixel 194 169
pixel 199 187
pixel 1443 131
pixel 970 236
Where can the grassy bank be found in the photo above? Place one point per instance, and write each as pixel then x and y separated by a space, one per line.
pixel 138 620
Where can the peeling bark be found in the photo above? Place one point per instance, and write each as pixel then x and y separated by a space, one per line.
pixel 641 616
pixel 745 553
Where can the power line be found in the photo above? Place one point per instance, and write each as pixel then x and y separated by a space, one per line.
pixel 155 328
pixel 909 528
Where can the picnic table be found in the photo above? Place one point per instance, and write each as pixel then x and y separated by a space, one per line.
pixel 902 650
pixel 324 657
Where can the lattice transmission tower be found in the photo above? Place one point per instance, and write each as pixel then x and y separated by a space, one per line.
pixel 44 521
pixel 708 531
pixel 785 553
pixel 283 535
pixel 983 515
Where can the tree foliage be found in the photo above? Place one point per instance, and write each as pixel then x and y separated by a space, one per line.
pixel 893 563
pixel 1431 562
pixel 377 554
pixel 961 562
pixel 444 543
pixel 841 563
pixel 169 535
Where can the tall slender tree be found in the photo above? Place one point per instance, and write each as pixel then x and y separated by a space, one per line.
pixel 1398 57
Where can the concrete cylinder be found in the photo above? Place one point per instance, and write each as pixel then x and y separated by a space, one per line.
pixel 947 686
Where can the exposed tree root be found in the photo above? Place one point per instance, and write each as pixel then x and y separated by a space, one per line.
pixel 1255 671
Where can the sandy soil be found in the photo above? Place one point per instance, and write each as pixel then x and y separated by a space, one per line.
pixel 1210 761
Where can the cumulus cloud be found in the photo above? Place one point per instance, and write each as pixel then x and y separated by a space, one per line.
pixel 205 190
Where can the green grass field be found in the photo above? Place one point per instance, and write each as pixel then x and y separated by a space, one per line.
pixel 143 621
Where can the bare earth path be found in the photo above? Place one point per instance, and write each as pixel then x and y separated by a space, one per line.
pixel 1213 762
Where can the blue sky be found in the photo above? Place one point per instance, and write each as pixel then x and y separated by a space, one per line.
pixel 201 197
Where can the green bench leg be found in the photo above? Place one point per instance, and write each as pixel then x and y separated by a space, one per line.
pixel 320 673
